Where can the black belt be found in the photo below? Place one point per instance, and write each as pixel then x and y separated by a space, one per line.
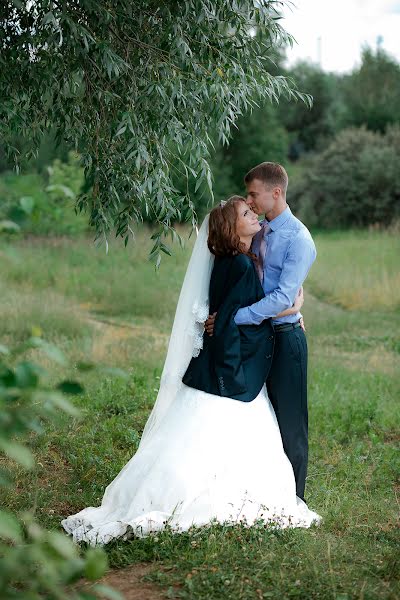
pixel 286 326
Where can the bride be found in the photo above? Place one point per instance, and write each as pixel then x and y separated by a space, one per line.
pixel 211 449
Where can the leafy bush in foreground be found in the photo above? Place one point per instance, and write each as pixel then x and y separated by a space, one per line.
pixel 36 563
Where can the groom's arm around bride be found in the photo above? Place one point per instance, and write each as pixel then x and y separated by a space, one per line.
pixel 285 251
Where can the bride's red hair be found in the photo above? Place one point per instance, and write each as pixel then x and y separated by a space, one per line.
pixel 222 237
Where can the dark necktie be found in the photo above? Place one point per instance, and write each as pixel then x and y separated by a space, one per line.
pixel 265 228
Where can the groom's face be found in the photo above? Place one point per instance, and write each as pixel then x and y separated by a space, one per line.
pixel 261 197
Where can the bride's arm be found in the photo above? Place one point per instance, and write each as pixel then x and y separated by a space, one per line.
pixel 298 303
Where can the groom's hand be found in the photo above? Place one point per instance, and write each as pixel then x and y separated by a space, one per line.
pixel 209 324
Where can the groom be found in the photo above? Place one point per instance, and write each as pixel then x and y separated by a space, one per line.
pixel 285 252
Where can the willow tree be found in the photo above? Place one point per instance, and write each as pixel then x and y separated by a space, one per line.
pixel 136 87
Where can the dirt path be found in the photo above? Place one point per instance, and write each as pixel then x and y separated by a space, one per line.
pixel 109 333
pixel 129 582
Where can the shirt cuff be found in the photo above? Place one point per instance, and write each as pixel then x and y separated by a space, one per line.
pixel 242 316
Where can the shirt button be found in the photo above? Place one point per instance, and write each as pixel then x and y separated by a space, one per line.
pixel 271 337
pixel 269 356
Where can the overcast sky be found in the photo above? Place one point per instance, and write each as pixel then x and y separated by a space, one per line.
pixel 332 32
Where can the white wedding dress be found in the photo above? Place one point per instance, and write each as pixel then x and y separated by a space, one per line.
pixel 202 458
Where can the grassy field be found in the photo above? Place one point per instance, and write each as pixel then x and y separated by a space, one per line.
pixel 114 309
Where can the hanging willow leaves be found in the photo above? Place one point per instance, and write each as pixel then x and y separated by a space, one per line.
pixel 137 87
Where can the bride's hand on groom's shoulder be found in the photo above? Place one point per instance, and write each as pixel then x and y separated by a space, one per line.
pixel 209 324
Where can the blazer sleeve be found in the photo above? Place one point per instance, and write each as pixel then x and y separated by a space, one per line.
pixel 227 352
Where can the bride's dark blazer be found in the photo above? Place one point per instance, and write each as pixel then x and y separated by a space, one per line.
pixel 236 360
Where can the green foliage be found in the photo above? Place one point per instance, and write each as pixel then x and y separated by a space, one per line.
pixel 36 563
pixel 223 181
pixel 371 93
pixel 260 137
pixel 7 226
pixel 367 96
pixel 49 207
pixel 56 214
pixel 310 127
pixel 136 87
pixel 47 151
pixel 18 196
pixel 353 183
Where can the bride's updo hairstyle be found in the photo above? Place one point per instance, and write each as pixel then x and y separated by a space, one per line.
pixel 222 237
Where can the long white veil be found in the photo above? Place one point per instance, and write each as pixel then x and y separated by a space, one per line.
pixel 187 331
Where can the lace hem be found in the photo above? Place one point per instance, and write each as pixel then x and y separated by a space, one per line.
pixel 200 312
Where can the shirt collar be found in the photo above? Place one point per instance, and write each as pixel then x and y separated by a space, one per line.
pixel 279 220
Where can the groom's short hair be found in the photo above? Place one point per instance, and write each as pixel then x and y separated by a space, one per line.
pixel 269 173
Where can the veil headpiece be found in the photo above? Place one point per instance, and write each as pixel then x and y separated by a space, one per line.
pixel 186 338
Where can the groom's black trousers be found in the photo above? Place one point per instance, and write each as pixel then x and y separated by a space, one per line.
pixel 287 390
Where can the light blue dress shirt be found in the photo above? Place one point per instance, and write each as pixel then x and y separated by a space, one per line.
pixel 289 255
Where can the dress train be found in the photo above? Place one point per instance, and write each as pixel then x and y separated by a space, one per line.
pixel 212 458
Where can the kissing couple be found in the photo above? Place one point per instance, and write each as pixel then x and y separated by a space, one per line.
pixel 227 439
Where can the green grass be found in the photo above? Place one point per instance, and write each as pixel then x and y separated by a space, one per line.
pixel 358 270
pixel 120 283
pixel 80 297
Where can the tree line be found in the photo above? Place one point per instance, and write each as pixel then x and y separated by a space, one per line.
pixel 341 153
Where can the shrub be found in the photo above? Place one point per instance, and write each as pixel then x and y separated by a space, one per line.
pixel 36 563
pixel 353 183
pixel 45 207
